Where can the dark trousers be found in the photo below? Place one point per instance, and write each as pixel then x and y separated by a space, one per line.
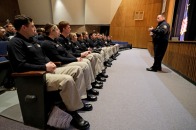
pixel 159 52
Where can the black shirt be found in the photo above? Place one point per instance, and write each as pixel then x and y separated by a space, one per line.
pixel 8 34
pixel 56 52
pixel 26 55
pixel 4 38
pixel 83 45
pixel 161 32
pixel 66 43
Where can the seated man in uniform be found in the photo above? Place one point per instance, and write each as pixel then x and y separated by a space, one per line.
pixel 2 35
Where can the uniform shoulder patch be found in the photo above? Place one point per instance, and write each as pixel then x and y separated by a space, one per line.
pixel 164 26
pixel 38 45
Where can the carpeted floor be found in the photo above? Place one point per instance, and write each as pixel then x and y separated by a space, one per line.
pixel 135 99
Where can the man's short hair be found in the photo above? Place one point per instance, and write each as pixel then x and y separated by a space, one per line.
pixel 84 33
pixel 20 20
pixel 62 25
pixel 7 25
pixel 91 34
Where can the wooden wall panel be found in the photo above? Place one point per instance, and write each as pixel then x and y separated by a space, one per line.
pixel 180 56
pixel 129 21
pixel 141 32
pixel 119 18
pixel 88 28
pixel 117 32
pixel 135 31
pixel 129 36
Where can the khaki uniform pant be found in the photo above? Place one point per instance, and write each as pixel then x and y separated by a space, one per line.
pixel 107 52
pixel 69 92
pixel 87 73
pixel 99 66
pixel 115 48
pixel 96 62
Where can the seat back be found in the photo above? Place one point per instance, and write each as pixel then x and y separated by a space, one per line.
pixel 4 69
pixel 31 89
pixel 3 48
pixel 35 101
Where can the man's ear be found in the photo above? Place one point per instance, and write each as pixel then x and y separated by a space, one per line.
pixel 23 27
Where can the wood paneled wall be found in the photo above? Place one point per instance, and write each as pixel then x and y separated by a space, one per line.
pixel 123 26
pixel 8 9
pixel 180 56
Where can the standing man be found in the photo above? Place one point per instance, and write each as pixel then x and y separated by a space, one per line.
pixel 160 37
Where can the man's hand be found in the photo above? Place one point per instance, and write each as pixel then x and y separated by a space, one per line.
pixel 150 29
pixel 79 59
pixel 84 54
pixel 50 67
pixel 88 52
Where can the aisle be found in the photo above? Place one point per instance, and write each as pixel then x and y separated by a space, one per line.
pixel 131 99
pixel 135 99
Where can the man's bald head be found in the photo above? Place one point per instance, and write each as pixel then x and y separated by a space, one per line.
pixel 160 18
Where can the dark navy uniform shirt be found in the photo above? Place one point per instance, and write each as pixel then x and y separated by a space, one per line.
pixel 161 32
pixel 26 55
pixel 66 43
pixel 56 52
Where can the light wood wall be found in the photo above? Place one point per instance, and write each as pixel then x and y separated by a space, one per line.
pixel 180 56
pixel 123 26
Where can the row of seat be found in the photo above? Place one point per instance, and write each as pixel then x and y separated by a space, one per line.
pixel 32 94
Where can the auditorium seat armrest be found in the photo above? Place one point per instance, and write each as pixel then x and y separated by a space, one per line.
pixel 4 62
pixel 29 73
pixel 3 55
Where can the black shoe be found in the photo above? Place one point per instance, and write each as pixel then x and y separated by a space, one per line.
pixel 103 75
pixel 87 107
pixel 114 58
pixel 151 69
pixel 107 65
pixel 78 121
pixel 110 60
pixel 98 82
pixel 110 63
pixel 93 92
pixel 99 78
pixel 98 86
pixel 91 97
pixel 159 69
pixel 117 54
pixel 104 71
